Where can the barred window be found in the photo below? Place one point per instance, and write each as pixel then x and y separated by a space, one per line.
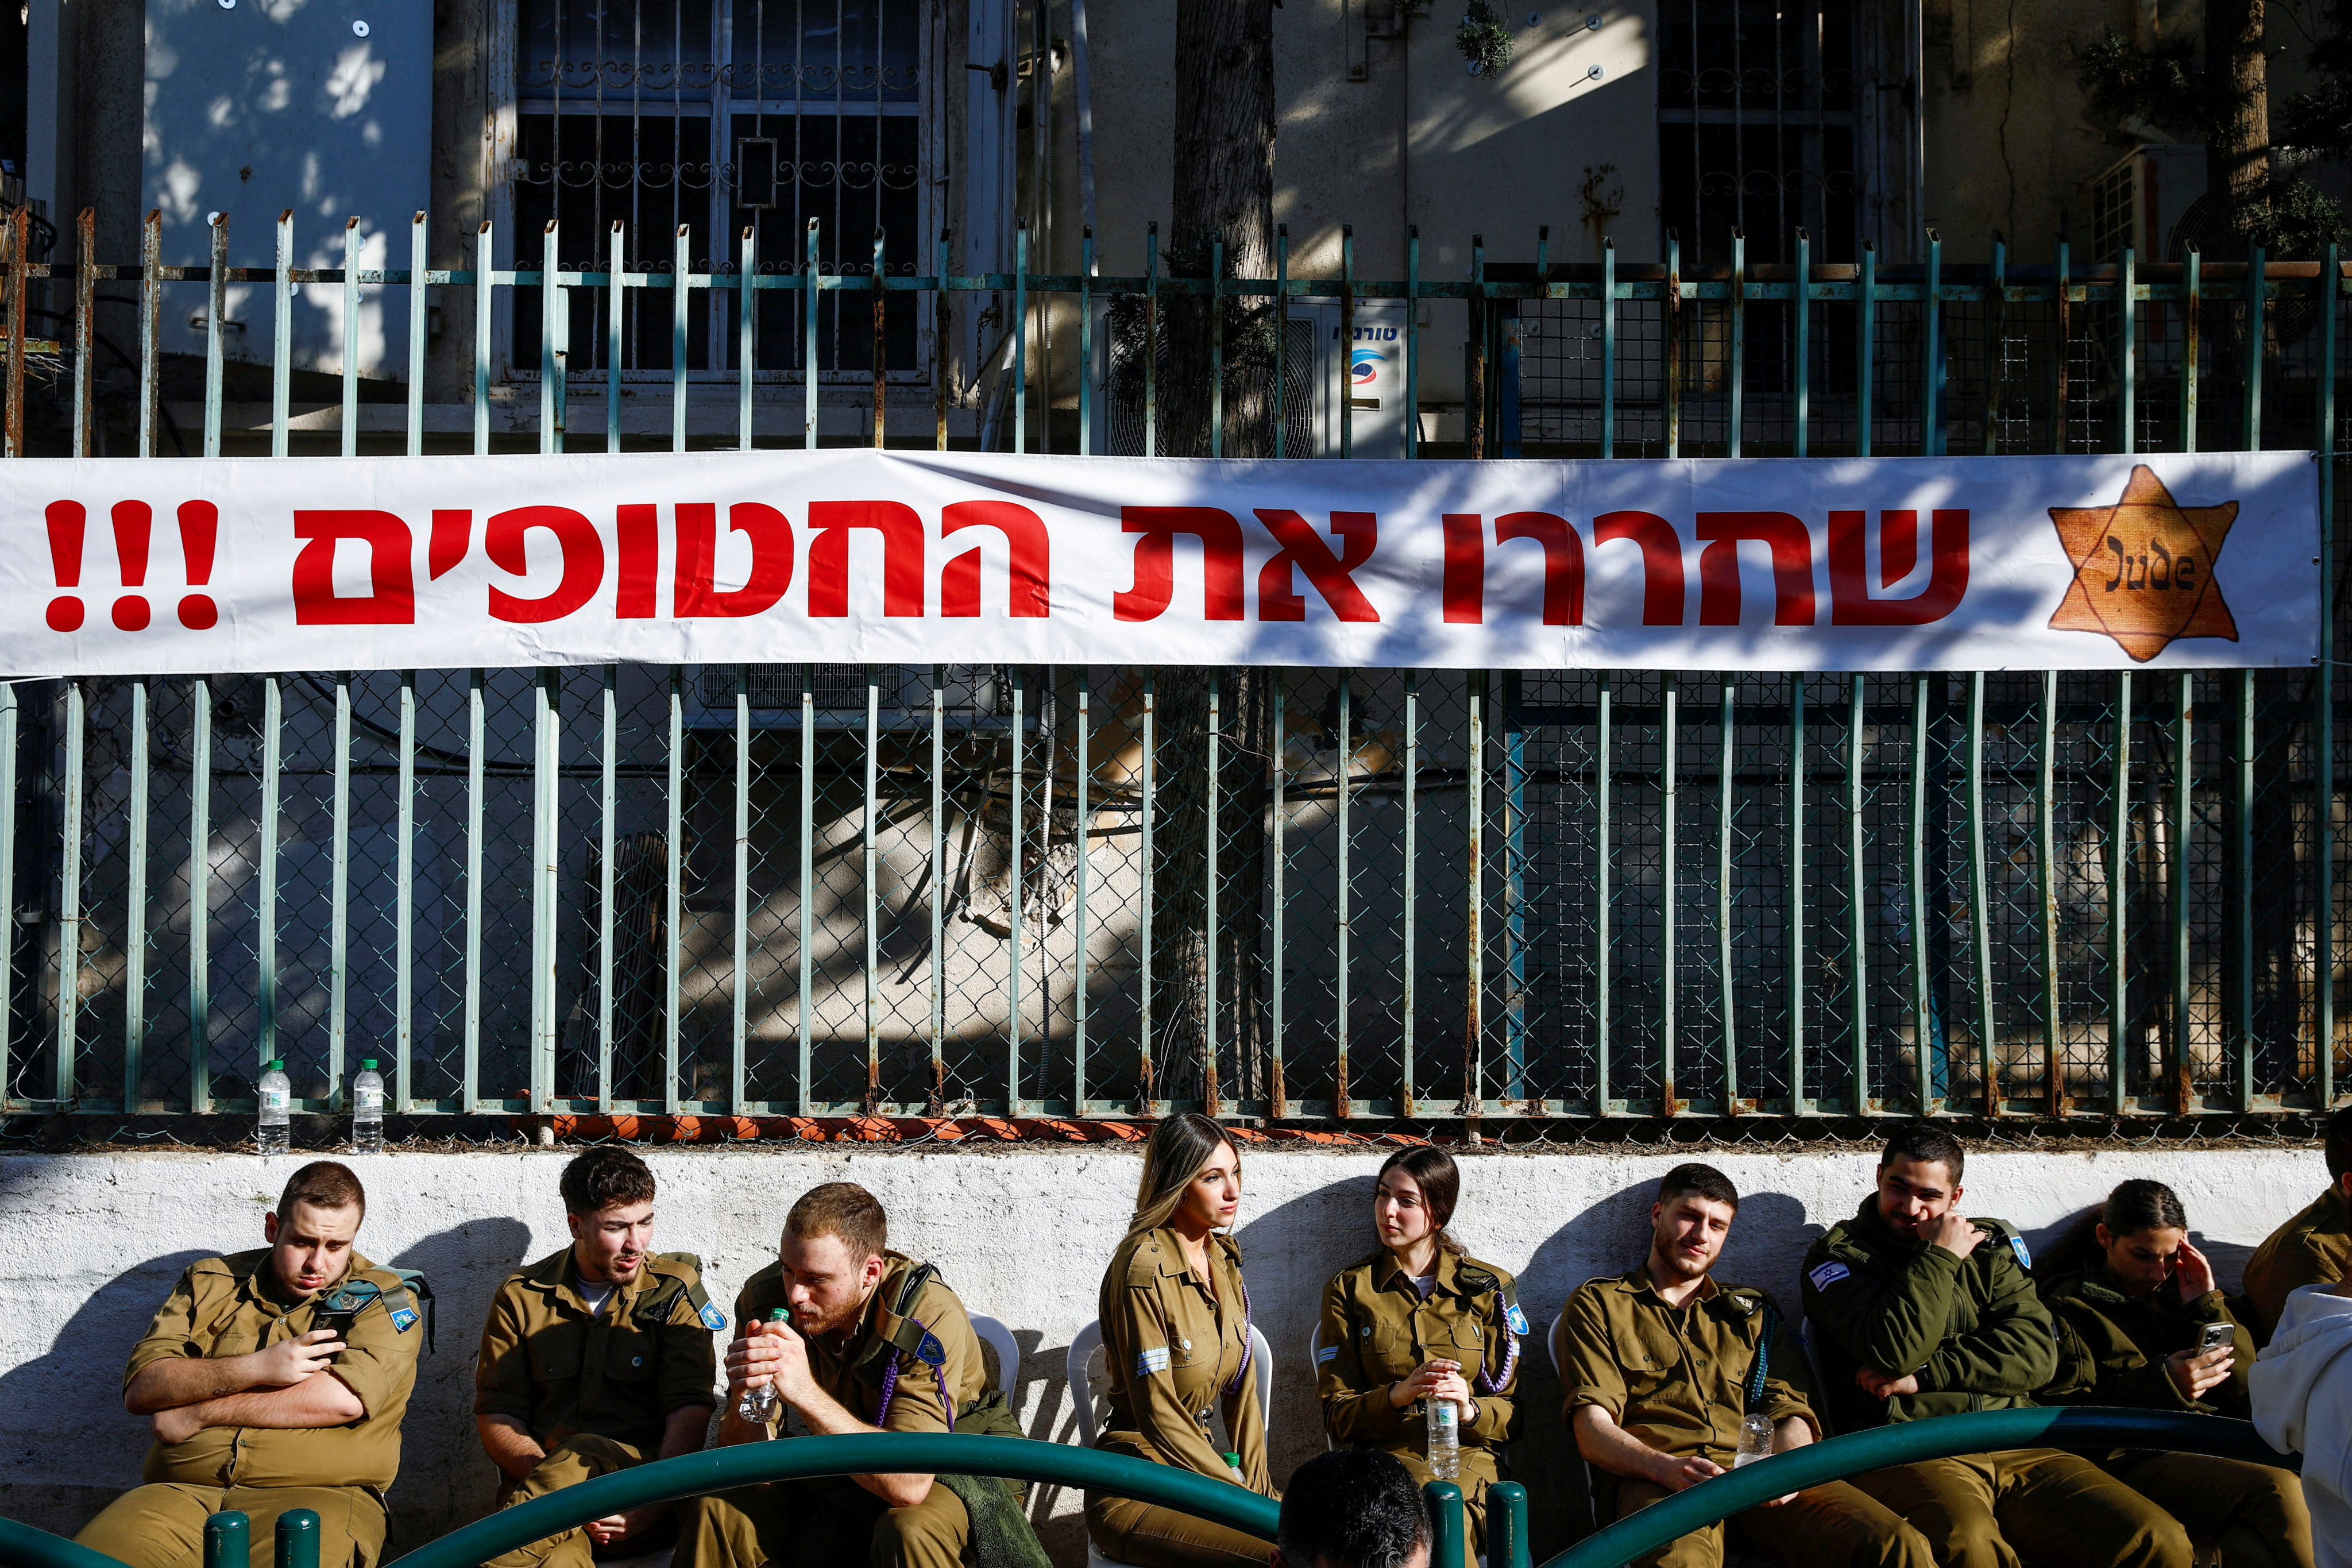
pixel 718 116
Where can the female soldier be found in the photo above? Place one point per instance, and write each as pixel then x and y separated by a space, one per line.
pixel 1420 1321
pixel 1176 1345
pixel 2132 1298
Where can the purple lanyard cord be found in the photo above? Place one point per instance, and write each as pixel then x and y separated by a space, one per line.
pixel 890 1382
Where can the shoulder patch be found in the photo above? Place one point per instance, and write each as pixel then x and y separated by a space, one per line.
pixel 1150 1361
pixel 1328 1354
pixel 403 1319
pixel 712 1318
pixel 930 1352
pixel 2024 1258
pixel 1517 1319
pixel 1829 1274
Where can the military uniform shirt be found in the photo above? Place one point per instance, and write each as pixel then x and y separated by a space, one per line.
pixel 1676 1378
pixel 2112 1346
pixel 1972 1330
pixel 852 1374
pixel 1377 1331
pixel 2314 1247
pixel 233 1306
pixel 1171 1348
pixel 547 1362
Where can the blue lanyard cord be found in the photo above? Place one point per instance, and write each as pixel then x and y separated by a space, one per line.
pixel 1763 1367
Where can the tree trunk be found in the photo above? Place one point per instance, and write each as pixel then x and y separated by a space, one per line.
pixel 2237 158
pixel 1223 187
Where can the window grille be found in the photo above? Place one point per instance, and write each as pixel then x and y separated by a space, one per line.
pixel 718 116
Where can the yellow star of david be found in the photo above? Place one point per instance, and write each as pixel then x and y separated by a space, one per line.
pixel 2144 568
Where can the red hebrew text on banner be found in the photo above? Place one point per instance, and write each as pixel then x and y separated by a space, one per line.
pixel 854 556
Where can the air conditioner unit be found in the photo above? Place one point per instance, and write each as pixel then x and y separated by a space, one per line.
pixel 1313 360
pixel 2141 198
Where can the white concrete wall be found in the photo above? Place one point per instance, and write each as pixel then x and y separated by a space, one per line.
pixel 89 1244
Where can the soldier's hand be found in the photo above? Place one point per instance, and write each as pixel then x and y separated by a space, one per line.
pixel 753 1361
pixel 606 1530
pixel 1424 1383
pixel 2193 1374
pixel 1878 1385
pixel 2194 1270
pixel 290 1361
pixel 1675 1474
pixel 1954 1233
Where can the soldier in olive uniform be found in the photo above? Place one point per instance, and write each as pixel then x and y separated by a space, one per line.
pixel 1660 1367
pixel 2134 1300
pixel 274 1380
pixel 876 1343
pixel 2314 1247
pixel 1420 1321
pixel 595 1358
pixel 1176 1349
pixel 1921 1312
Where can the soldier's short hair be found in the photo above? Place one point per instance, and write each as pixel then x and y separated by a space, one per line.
pixel 324 1184
pixel 2339 1144
pixel 1352 1508
pixel 844 1209
pixel 604 1176
pixel 1928 1146
pixel 1703 1180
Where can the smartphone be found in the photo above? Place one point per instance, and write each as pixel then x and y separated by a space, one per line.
pixel 2215 1336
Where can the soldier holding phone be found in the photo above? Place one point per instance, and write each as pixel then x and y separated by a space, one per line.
pixel 273 1380
pixel 2141 1323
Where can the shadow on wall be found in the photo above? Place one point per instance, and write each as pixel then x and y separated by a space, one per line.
pixel 49 1399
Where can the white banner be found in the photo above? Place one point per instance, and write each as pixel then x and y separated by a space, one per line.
pixel 1894 563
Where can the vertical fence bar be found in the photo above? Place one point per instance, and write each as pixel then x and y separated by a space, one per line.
pixel 485 253
pixel 674 885
pixel 1082 804
pixel 607 803
pixel 1997 332
pixel 1474 396
pixel 2128 360
pixel 1086 388
pixel 70 910
pixel 134 911
pixel 9 905
pixel 1343 750
pixel 552 338
pixel 738 985
pixel 1857 886
pixel 1021 338
pixel 215 302
pixel 1931 354
pixel 404 902
pixel 681 308
pixel 150 312
pixel 2045 812
pixel 1217 345
pixel 2063 306
pixel 85 332
pixel 937 978
pixel 1801 295
pixel 1726 750
pixel 1866 348
pixel 1736 383
pixel 881 420
pixel 351 334
pixel 1279 877
pixel 419 252
pixel 1796 774
pixel 1670 349
pixel 1474 938
pixel 747 331
pixel 868 862
pixel 1152 351
pixel 2257 360
pixel 1669 895
pixel 200 875
pixel 1405 1093
pixel 2241 711
pixel 1608 347
pixel 471 1095
pixel 2118 907
pixel 1147 1097
pixel 1343 361
pixel 1981 902
pixel 266 938
pixel 1016 914
pixel 1281 340
pixel 338 901
pixel 2331 287
pixel 2184 802
pixel 2191 335
pixel 546 887
pixel 1208 897
pixel 942 319
pixel 281 358
pixel 1924 1043
pixel 804 996
pixel 616 304
pixel 1603 968
pixel 1413 341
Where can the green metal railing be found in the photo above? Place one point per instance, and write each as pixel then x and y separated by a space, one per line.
pixel 815 890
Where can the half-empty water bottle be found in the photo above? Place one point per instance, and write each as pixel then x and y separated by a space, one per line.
pixel 367 1110
pixel 277 1102
pixel 758 1406
pixel 1444 1419
pixel 1755 1439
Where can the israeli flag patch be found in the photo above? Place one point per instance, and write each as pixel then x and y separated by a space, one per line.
pixel 2024 1258
pixel 1151 1361
pixel 403 1319
pixel 712 1318
pixel 1517 1319
pixel 1329 1352
pixel 1829 1274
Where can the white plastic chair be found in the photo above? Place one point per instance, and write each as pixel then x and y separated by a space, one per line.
pixel 1086 1388
pixel 998 1338
pixel 1551 1345
pixel 1315 1371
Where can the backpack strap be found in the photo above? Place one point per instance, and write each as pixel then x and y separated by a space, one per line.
pixel 405 1300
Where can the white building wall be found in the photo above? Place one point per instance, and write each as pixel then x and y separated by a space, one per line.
pixel 89 1244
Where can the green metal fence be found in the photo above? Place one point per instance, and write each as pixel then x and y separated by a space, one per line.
pixel 821 889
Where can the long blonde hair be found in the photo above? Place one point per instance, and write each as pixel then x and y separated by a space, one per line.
pixel 1178 1149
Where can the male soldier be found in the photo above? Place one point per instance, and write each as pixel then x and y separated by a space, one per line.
pixel 595 1358
pixel 1923 1311
pixel 2314 1247
pixel 877 1343
pixel 273 1380
pixel 1661 1364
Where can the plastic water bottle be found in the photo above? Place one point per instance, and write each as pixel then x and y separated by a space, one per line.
pixel 277 1099
pixel 1755 1439
pixel 1234 1468
pixel 1444 1419
pixel 758 1406
pixel 367 1110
